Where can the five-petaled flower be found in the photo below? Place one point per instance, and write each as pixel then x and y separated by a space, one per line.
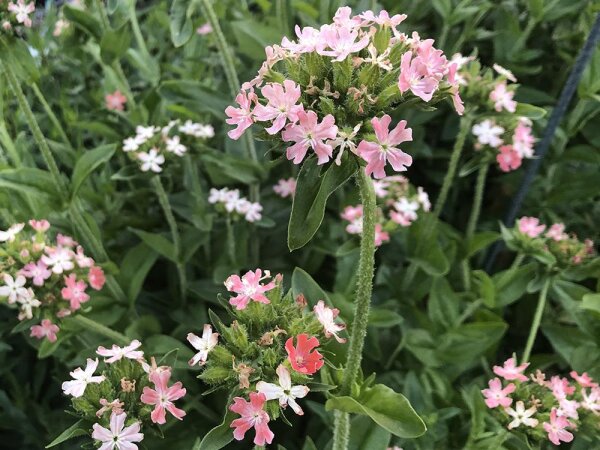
pixel 74 291
pixel 116 353
pixel 521 416
pixel 510 370
pixel 326 316
pixel 81 378
pixel 497 396
pixel 118 436
pixel 302 357
pixel 252 415
pixel 163 396
pixel 242 117
pixel 151 160
pixel 556 428
pixel 530 226
pixel 204 345
pixel 115 101
pixel 308 133
pixel 46 329
pixel 22 11
pixel 281 106
pixel 284 391
pixel 14 288
pixel 248 287
pixel 508 159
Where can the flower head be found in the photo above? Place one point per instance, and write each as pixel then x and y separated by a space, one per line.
pixel 556 428
pixel 326 316
pixel 204 29
pixel 39 225
pixel 281 106
pixel 115 101
pixel 22 11
pixel 496 395
pixel 163 396
pixel 96 277
pixel 46 329
pixel 248 287
pixel 530 226
pixel 521 416
pixel 81 378
pixel 242 117
pixel 503 98
pixel 557 233
pixel 151 160
pixel 510 370
pixel 302 357
pixel 488 133
pixel 9 235
pixel 252 415
pixel 14 288
pixel 204 345
pixel 59 258
pixel 116 353
pixel 284 391
pixel 308 133
pixel 118 437
pixel 285 188
pixel 508 159
pixel 74 291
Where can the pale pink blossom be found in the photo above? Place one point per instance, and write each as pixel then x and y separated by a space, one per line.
pixel 242 117
pixel 22 11
pixel 81 378
pixel 115 101
pixel 37 271
pixel 204 29
pixel 82 259
pixel 39 225
pixel 405 211
pixel 380 235
pixel 46 329
pixel 510 370
pixel 14 288
pixel 116 353
pixel 352 213
pixel 13 230
pixel 119 436
pixel 59 26
pixel 343 18
pixel 281 106
pixel 285 187
pixel 496 395
pixel 560 387
pixel 341 41
pixel 383 19
pixel 284 392
pixel 249 287
pixel 557 233
pixel 521 416
pixel 64 240
pixel 455 82
pixel 488 133
pixel 163 396
pixel 326 316
pixel 308 133
pixel 503 98
pixel 591 401
pixel 151 160
pixel 203 344
pixel 584 380
pixel 115 406
pixel 508 159
pixel 414 76
pixel 530 226
pixel 26 304
pixel 309 39
pixel 252 415
pixel 568 408
pixel 96 277
pixel 556 428
pixel 60 259
pixel 377 154
pixel 74 291
pixel 523 140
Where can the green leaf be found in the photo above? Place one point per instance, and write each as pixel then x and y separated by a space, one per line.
pixel 71 432
pixel 390 410
pixel 147 66
pixel 367 435
pixel 480 241
pixel 253 37
pixel 194 96
pixel 511 285
pixel 443 303
pixel 224 169
pixel 135 267
pixel 83 20
pixel 591 302
pixel 181 22
pixel 464 344
pixel 28 180
pixel 303 283
pixel 114 44
pixel 219 436
pixel 425 249
pixel 530 111
pixel 47 348
pixel 89 162
pixel 384 318
pixel 312 191
pixel 485 288
pixel 157 242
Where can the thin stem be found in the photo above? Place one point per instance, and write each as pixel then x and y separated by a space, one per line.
pixel 537 319
pixel 51 115
pixel 163 200
pixel 135 27
pixel 98 328
pixel 230 241
pixel 364 288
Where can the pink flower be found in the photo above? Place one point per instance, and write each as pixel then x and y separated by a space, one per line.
pixel 326 316
pixel 556 428
pixel 249 288
pixel 74 291
pixel 341 40
pixel 81 378
pixel 81 258
pixel 378 153
pixel 284 391
pixel 380 235
pixel 115 406
pixel 508 159
pixel 308 133
pixel 115 101
pixel 414 76
pixel 560 387
pixel 252 415
pixel 557 233
pixel 281 105
pixel 352 213
pixel 383 19
pixel 96 277
pixel 22 11
pixel 405 211
pixel 309 39
pixel 530 226
pixel 118 437
pixel 38 271
pixel 59 258
pixel 163 397
pixel 496 396
pixel 242 116
pixel 39 225
pixel 568 408
pixel 204 345
pixel 204 29
pixel 454 82
pixel 45 330
pixel 300 357
pixel 116 353
pixel 65 241
pixel 285 188
pixel 503 98
pixel 584 380
pixel 523 140
pixel 510 370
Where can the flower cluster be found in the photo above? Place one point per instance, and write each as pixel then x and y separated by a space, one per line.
pixel 543 409
pixel 15 15
pixel 285 187
pixel 328 91
pixel 267 356
pixel 551 245
pixel 399 204
pixel 45 279
pixel 128 391
pixel 230 202
pixel 151 145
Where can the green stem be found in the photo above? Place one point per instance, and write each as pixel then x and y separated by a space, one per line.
pixel 230 241
pixel 51 115
pixel 537 319
pixel 98 328
pixel 473 219
pixel 364 288
pixel 163 200
pixel 135 27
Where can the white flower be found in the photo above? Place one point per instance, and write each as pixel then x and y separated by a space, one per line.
pixel 381 60
pixel 9 235
pixel 284 391
pixel 59 258
pixel 217 195
pixel 423 198
pixel 151 161
pixel 505 72
pixel 591 401
pixel 380 187
pixel 167 128
pixel 118 437
pixel 175 146
pixel 204 345
pixel 130 144
pixel 28 302
pixel 197 129
pixel 116 353
pixel 145 133
pixel 344 140
pixel 327 316
pixel 521 416
pixel 408 208
pixel 13 288
pixel 253 212
pixel 81 378
pixel 488 133
pixel 22 11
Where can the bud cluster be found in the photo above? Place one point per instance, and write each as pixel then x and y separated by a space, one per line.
pixel 267 354
pixel 330 89
pixel 128 391
pixel 152 145
pixel 544 409
pixel 46 279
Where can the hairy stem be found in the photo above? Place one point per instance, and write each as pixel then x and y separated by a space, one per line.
pixel 537 320
pixel 98 328
pixel 364 288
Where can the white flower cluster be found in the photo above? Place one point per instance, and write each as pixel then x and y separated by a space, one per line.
pixel 150 143
pixel 231 201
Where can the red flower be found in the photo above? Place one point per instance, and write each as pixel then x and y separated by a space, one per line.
pixel 301 358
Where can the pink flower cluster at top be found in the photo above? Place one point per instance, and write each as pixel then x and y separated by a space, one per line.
pixel 160 395
pixel 231 202
pixel 556 406
pixel 46 278
pixel 285 109
pixel 20 11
